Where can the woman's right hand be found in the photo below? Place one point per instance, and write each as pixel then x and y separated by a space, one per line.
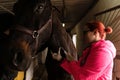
pixel 57 56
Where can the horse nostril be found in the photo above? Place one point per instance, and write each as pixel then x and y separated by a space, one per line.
pixel 17 59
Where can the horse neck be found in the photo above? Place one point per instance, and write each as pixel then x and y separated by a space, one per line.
pixel 60 38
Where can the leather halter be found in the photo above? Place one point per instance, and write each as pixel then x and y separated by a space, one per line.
pixel 34 33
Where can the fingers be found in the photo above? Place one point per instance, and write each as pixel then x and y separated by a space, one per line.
pixel 59 50
pixel 54 54
pixel 66 53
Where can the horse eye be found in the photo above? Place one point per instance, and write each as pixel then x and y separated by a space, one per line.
pixel 40 7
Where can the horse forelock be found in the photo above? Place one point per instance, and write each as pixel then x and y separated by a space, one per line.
pixel 32 12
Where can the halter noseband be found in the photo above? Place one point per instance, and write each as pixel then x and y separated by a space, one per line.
pixel 34 33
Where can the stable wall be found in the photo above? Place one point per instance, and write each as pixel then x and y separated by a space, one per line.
pixel 101 5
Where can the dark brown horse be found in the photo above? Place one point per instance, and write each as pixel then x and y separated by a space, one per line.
pixel 7 72
pixel 37 27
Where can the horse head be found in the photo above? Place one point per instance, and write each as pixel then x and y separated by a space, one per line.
pixel 30 32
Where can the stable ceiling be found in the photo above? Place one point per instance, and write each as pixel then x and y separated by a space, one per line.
pixel 71 11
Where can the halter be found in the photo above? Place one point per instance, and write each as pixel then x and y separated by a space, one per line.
pixel 34 33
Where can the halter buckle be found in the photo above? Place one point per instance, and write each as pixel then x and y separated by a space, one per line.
pixel 35 34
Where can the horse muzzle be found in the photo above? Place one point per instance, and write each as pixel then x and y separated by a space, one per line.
pixel 20 60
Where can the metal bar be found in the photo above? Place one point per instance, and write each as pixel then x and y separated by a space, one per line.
pixel 7 10
pixel 5 3
pixel 116 31
pixel 104 16
pixel 108 18
pixel 107 10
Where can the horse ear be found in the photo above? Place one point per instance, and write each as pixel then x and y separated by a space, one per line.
pixel 15 8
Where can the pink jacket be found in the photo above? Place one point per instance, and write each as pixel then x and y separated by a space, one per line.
pixel 99 63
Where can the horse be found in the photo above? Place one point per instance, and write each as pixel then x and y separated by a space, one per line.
pixel 6 72
pixel 37 26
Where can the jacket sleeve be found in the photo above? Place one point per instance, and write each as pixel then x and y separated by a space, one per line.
pixel 97 62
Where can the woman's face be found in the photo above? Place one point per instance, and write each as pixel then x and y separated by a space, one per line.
pixel 89 36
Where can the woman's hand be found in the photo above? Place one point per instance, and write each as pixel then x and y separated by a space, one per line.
pixel 69 57
pixel 57 56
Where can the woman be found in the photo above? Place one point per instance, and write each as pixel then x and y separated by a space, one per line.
pixel 96 62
